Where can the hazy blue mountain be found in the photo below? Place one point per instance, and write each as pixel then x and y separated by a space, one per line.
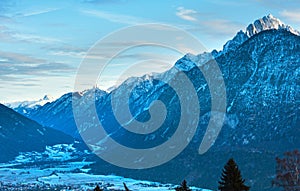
pixel 59 115
pixel 24 107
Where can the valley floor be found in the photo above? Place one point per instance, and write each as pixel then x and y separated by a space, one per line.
pixel 57 170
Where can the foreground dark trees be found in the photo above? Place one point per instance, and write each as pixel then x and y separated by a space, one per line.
pixel 98 188
pixel 231 179
pixel 183 187
pixel 288 171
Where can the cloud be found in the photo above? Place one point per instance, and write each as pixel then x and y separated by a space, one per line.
pixel 14 66
pixel 10 72
pixel 53 67
pixel 6 19
pixel 66 51
pixel 186 14
pixel 16 58
pixel 26 84
pixel 9 35
pixel 220 27
pixel 207 23
pixel 291 15
pixel 117 18
pixel 34 38
pixel 37 12
pixel 73 54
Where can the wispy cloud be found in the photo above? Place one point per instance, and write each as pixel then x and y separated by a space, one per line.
pixel 5 19
pixel 117 18
pixel 73 54
pixel 292 15
pixel 31 38
pixel 19 58
pixel 220 27
pixel 9 35
pixel 37 12
pixel 14 66
pixel 17 72
pixel 186 14
pixel 66 50
pixel 207 23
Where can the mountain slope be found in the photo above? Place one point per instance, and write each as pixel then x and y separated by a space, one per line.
pixel 20 134
pixel 59 115
pixel 263 92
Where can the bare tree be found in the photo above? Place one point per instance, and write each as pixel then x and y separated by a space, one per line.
pixel 288 171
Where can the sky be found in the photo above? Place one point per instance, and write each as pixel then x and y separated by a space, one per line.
pixel 43 43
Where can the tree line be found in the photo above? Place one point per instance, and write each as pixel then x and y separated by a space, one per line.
pixel 287 175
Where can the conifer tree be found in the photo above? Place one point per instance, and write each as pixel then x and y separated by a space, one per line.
pixel 98 188
pixel 126 188
pixel 231 179
pixel 183 187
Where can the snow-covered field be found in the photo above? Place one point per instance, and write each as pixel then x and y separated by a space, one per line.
pixel 81 181
pixel 57 171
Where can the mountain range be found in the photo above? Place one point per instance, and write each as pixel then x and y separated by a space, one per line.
pixel 26 106
pixel 261 71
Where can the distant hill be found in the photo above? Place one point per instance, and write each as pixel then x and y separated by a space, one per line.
pixel 20 134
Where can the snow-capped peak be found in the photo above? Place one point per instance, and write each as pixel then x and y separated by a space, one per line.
pixel 30 104
pixel 267 23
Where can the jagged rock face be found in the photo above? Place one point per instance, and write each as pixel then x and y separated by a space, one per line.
pixel 233 44
pixel 262 79
pixel 265 23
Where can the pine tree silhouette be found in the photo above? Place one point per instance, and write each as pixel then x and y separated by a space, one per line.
pixel 183 187
pixel 126 188
pixel 231 179
pixel 98 188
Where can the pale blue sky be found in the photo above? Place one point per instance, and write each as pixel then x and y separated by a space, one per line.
pixel 42 43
